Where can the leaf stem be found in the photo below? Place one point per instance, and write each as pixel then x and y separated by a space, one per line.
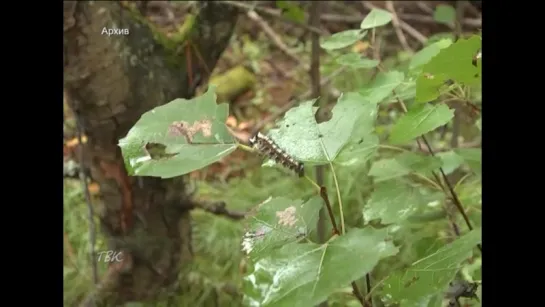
pixel 245 147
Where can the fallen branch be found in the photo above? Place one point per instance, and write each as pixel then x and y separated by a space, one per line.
pixel 397 28
pixel 219 208
pixel 273 13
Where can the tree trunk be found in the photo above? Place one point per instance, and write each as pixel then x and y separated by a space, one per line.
pixel 111 81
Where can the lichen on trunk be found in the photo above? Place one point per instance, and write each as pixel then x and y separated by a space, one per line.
pixel 110 82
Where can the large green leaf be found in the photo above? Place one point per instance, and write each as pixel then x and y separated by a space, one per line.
pixel 425 55
pixel 301 136
pixel 382 86
pixel 178 137
pixel 376 18
pixel 302 275
pixel 403 164
pixel 452 63
pixel 279 221
pixel 342 39
pixel 392 202
pixel 431 274
pixel 419 120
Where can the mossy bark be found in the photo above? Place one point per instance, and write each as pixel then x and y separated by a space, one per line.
pixel 111 81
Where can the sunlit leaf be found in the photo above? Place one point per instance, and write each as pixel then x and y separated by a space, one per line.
pixel 425 55
pixel 393 202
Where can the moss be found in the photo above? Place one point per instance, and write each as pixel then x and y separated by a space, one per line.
pixel 173 44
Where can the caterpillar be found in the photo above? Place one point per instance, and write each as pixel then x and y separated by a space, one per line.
pixel 266 147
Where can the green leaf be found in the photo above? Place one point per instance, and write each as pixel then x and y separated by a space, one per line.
pixel 452 63
pixel 376 18
pixel 479 124
pixel 451 161
pixel 405 91
pixel 178 137
pixel 382 86
pixel 472 157
pixel 425 55
pixel 431 274
pixel 445 14
pixel 392 202
pixel 355 60
pixel 403 164
pixel 303 138
pixel 342 39
pixel 291 10
pixel 419 120
pixel 363 142
pixel 302 275
pixel 279 221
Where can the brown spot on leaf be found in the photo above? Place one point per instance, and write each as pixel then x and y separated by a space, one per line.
pixel 183 128
pixel 287 217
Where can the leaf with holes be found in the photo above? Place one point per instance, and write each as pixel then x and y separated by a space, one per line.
pixel 403 164
pixel 454 63
pixel 279 221
pixel 431 274
pixel 178 137
pixel 382 86
pixel 342 39
pixel 376 18
pixel 302 275
pixel 302 137
pixel 419 120
pixel 355 60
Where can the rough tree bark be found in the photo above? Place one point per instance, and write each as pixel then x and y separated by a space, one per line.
pixel 111 81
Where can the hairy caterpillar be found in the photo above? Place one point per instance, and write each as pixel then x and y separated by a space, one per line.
pixel 265 146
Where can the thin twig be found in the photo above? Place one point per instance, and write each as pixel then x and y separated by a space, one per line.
pixel 219 208
pixel 397 28
pixel 85 188
pixel 368 288
pixel 273 36
pixel 274 13
pixel 470 22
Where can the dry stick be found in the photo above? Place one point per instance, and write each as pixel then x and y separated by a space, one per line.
pixel 219 208
pixel 273 13
pixel 273 36
pixel 397 28
pixel 402 24
pixel 85 188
